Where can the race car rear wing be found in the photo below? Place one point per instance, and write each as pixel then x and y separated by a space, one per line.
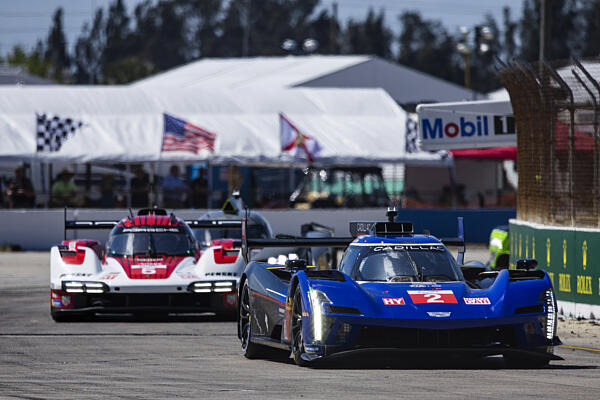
pixel 458 242
pixel 292 241
pixel 194 224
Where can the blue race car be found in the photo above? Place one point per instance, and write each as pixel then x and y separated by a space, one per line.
pixel 394 290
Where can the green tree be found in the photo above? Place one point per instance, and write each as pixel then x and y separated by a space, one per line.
pixel 509 46
pixel 160 36
pixel 33 62
pixel 117 33
pixel 370 36
pixel 56 48
pixel 426 46
pixel 89 50
pixel 591 28
pixel 562 37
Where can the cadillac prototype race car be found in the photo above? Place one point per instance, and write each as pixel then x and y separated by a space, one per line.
pixel 394 290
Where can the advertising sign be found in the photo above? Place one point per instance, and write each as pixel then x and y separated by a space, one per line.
pixel 466 125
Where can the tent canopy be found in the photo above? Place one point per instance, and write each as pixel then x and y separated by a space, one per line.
pixel 404 84
pixel 125 124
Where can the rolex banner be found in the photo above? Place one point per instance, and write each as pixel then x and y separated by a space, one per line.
pixel 571 257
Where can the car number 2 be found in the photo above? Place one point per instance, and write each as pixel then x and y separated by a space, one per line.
pixel 434 298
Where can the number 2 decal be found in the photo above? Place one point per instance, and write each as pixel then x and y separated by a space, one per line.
pixel 434 298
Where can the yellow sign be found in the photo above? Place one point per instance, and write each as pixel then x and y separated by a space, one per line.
pixel 584 284
pixel 584 256
pixel 533 247
pixel 564 253
pixel 520 245
pixel 526 246
pixel 548 252
pixel 564 282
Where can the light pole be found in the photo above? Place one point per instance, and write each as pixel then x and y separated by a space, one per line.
pixel 309 45
pixel 483 35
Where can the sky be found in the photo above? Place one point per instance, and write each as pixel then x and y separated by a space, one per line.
pixel 25 21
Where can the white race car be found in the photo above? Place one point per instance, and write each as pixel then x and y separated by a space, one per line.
pixel 151 263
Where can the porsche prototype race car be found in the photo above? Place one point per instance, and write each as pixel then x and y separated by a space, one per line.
pixel 395 290
pixel 151 263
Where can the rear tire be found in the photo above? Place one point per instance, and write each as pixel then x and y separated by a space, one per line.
pixel 250 349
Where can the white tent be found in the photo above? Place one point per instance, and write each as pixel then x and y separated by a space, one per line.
pixel 125 124
pixel 405 85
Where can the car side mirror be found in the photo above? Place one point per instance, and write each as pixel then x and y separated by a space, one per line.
pixel 527 263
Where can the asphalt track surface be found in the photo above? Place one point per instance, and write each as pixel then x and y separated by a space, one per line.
pixel 200 358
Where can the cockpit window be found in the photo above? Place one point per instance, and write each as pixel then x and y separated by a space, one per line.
pixel 130 244
pixel 400 263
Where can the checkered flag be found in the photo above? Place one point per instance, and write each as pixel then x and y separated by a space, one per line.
pixel 412 136
pixel 52 131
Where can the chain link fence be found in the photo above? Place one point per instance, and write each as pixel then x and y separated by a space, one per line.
pixel 557 112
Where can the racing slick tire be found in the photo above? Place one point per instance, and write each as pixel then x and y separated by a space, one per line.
pixel 296 328
pixel 520 362
pixel 250 349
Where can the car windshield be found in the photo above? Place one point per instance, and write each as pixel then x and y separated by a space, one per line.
pixel 254 231
pixel 129 244
pixel 400 263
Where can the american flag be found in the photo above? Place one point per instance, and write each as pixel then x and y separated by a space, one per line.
pixel 180 135
pixel 296 143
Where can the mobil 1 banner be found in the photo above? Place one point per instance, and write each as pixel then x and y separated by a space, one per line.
pixel 446 130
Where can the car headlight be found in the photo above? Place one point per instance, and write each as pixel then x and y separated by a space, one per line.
pixel 317 299
pixel 84 287
pixel 550 314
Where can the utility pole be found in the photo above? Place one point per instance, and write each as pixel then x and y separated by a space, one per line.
pixel 333 27
pixel 542 33
pixel 246 36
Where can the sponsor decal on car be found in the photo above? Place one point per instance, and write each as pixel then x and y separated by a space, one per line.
pixel 56 303
pixel 110 276
pixel 188 275
pixel 432 296
pixel 439 314
pixel 66 301
pixel 477 300
pixel 393 302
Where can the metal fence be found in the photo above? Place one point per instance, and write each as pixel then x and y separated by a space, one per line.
pixel 557 113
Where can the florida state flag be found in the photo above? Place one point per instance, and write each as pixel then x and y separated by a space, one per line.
pixel 296 143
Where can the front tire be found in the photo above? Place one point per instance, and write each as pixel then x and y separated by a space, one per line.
pixel 297 336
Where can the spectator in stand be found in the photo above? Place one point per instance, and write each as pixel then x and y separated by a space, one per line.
pixel 107 199
pixel 200 190
pixel 64 191
pixel 140 187
pixel 19 191
pixel 174 189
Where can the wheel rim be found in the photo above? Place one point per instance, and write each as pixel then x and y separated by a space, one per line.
pixel 297 325
pixel 245 317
